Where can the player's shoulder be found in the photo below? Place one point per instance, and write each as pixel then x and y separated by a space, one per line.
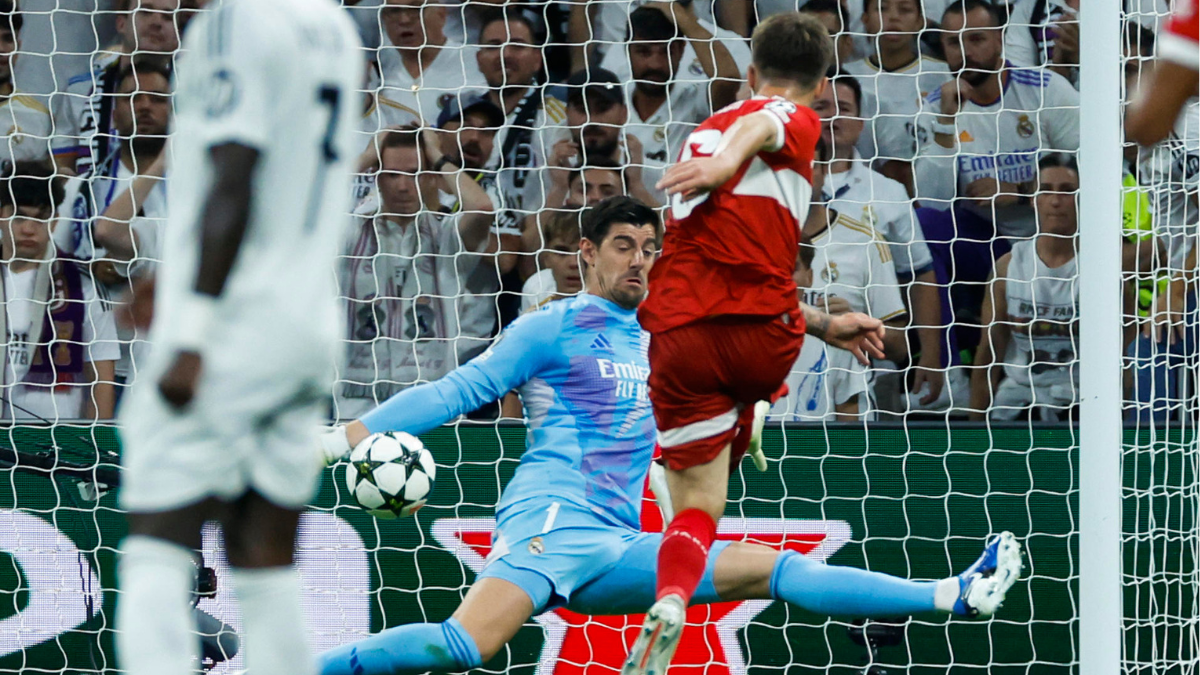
pixel 31 103
pixel 851 228
pixel 1033 77
pixel 555 108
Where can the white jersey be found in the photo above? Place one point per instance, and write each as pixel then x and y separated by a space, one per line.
pixel 280 76
pixel 822 378
pixel 23 315
pixel 25 129
pixel 452 73
pixel 853 262
pixel 523 182
pixel 1043 307
pixel 891 100
pixel 401 285
pixel 1037 112
pixel 876 200
pixel 663 133
pixel 1171 172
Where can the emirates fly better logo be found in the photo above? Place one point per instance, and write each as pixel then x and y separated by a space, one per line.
pixel 576 644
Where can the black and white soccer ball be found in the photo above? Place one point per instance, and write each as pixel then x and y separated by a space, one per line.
pixel 390 474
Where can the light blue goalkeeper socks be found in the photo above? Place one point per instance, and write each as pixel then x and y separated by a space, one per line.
pixel 831 590
pixel 405 650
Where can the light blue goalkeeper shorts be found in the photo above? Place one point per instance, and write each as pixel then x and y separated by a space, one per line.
pixel 564 555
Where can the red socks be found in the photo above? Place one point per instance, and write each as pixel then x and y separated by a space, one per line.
pixel 683 553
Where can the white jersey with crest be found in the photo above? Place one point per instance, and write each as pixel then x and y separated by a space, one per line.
pixel 282 77
pixel 1043 310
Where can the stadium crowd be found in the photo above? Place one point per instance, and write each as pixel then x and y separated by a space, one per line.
pixel 944 198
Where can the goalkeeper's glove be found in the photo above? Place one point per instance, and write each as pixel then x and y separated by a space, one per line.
pixel 334 444
pixel 662 495
pixel 756 431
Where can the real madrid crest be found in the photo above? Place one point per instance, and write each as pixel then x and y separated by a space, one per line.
pixel 536 546
pixel 1024 126
pixel 830 274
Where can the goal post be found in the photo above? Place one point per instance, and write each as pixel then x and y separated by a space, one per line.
pixel 1100 427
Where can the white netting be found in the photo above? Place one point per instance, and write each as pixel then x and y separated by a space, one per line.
pixel 936 218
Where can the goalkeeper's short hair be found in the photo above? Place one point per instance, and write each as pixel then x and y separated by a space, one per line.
pixel 599 219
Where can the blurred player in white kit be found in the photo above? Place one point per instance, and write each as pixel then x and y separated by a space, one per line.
pixel 220 425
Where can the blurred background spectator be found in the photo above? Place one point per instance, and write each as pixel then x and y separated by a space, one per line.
pixel 61 341
pixel 1026 364
pixel 530 110
pixel 83 111
pixel 402 273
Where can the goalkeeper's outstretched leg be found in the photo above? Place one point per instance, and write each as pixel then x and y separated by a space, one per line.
pixel 510 593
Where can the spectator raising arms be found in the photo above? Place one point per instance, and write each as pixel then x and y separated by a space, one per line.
pixel 665 100
pixel 1030 311
pixel 403 271
pixel 61 342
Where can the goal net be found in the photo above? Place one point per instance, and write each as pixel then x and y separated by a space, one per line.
pixel 955 223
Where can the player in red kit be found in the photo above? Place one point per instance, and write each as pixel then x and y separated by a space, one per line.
pixel 1173 79
pixel 722 312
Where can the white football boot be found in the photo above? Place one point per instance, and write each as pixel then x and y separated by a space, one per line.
pixel 655 645
pixel 983 585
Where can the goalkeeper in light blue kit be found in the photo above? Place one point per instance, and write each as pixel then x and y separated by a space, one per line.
pixel 568 532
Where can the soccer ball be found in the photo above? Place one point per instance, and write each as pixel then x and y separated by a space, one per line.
pixel 390 474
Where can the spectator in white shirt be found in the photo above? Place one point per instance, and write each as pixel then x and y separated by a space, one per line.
pixel 986 128
pixel 1027 357
pixel 666 101
pixel 852 188
pixel 405 266
pixel 510 58
pixel 60 342
pixel 895 77
pixel 148 28
pixel 826 383
pixel 420 68
pixel 596 115
pixel 24 120
pixel 1044 33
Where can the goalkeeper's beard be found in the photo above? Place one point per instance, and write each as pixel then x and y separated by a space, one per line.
pixel 620 294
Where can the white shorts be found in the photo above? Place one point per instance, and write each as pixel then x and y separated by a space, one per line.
pixel 238 434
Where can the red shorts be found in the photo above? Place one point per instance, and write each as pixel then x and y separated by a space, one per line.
pixel 705 378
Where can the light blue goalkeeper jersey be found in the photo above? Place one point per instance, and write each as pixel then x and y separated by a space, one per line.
pixel 581 368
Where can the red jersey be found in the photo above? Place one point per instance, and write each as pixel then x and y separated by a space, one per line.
pixel 732 251
pixel 1180 42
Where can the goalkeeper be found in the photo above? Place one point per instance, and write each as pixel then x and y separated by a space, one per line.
pixel 567 531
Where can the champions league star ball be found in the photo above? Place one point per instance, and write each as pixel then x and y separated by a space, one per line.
pixel 390 474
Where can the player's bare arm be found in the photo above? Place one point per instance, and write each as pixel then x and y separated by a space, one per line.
pixel 857 333
pixel 112 229
pixel 747 137
pixel 714 58
pixel 1163 93
pixel 223 227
